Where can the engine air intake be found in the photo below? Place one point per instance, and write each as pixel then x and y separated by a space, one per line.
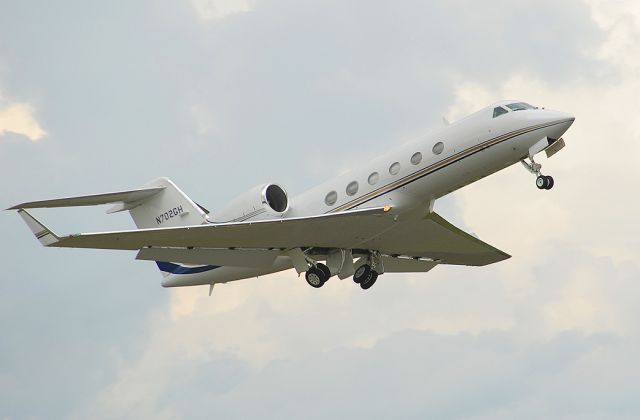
pixel 276 198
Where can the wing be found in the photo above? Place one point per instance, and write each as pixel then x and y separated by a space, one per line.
pixel 434 238
pixel 374 228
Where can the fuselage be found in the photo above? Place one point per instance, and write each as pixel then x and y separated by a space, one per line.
pixel 411 177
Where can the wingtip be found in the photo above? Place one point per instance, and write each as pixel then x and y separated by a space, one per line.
pixel 40 231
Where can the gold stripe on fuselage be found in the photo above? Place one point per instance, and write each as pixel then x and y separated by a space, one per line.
pixel 438 165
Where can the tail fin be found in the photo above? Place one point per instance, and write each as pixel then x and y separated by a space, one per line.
pixel 167 208
pixel 160 204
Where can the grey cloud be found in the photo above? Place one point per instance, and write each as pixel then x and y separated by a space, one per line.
pixel 424 375
pixel 336 78
pixel 512 372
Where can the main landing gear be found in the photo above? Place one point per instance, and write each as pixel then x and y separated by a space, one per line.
pixel 543 182
pixel 365 276
pixel 317 275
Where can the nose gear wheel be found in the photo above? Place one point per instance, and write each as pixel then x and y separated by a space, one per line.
pixel 543 182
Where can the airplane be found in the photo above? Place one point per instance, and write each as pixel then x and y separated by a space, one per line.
pixel 376 219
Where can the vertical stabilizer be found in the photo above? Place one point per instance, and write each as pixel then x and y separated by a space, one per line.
pixel 169 208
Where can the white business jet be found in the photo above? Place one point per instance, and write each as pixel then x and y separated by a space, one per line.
pixel 375 219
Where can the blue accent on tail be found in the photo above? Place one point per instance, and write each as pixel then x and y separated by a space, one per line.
pixel 172 268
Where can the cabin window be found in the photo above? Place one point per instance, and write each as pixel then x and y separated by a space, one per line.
pixel 497 111
pixel 331 198
pixel 373 178
pixel 438 148
pixel 352 188
pixel 416 158
pixel 394 168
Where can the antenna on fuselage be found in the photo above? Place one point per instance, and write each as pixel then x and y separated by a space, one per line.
pixel 445 121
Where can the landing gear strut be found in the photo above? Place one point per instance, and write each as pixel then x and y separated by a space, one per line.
pixel 543 182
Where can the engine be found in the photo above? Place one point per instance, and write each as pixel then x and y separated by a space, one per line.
pixel 268 200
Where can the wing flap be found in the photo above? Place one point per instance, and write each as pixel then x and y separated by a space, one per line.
pixel 254 258
pixel 406 265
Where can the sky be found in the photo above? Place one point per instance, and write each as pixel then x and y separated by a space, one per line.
pixel 222 95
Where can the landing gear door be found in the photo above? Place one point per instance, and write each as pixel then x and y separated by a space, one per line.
pixel 555 147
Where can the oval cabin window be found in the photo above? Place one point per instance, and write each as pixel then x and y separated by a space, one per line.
pixel 331 198
pixel 438 147
pixel 373 178
pixel 352 188
pixel 394 168
pixel 416 158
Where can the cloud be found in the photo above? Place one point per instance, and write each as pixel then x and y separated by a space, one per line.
pixel 220 9
pixel 621 19
pixel 572 219
pixel 528 338
pixel 549 333
pixel 409 333
pixel 19 118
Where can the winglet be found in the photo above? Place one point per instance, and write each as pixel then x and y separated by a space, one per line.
pixel 42 233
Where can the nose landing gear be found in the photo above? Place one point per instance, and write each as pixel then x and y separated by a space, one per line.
pixel 543 182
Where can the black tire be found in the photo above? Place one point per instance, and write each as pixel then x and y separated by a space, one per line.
pixel 315 277
pixel 361 273
pixel 549 183
pixel 369 281
pixel 541 182
pixel 325 270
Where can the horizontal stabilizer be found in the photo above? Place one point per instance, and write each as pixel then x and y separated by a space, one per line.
pixel 42 233
pixel 130 196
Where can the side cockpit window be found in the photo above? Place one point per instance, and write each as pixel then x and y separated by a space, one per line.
pixel 497 111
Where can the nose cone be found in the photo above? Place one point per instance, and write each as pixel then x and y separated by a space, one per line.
pixel 559 123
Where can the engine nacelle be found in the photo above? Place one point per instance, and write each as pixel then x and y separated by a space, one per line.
pixel 267 199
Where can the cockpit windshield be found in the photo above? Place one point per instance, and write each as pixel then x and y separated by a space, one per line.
pixel 520 106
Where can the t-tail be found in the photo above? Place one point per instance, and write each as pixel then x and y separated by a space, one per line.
pixel 160 204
